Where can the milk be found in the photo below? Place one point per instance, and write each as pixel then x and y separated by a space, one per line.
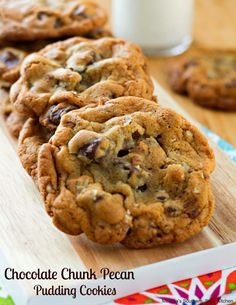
pixel 161 27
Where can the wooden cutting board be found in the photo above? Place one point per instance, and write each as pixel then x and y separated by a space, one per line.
pixel 29 240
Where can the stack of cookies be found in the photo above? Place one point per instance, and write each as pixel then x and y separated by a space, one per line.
pixel 28 26
pixel 108 160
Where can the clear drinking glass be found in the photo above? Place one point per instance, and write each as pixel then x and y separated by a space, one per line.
pixel 160 27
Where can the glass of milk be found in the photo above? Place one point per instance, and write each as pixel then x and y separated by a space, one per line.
pixel 160 27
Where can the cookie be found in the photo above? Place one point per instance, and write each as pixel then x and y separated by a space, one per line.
pixel 78 72
pixel 10 61
pixel 209 81
pixel 33 20
pixel 128 171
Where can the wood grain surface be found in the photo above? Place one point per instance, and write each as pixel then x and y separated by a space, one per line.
pixel 214 29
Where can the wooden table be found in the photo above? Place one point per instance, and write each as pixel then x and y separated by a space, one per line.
pixel 214 28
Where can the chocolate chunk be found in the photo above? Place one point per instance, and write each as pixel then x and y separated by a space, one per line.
pixel 9 59
pixel 58 23
pixel 143 188
pixel 136 135
pixel 111 95
pixel 98 198
pixel 162 196
pixel 164 166
pixel 172 211
pixel 158 138
pixel 194 213
pixel 123 152
pixel 55 113
pixel 89 150
pixel 192 208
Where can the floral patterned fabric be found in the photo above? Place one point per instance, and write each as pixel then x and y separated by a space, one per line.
pixel 190 291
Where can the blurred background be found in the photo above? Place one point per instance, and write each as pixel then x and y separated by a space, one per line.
pixel 214 29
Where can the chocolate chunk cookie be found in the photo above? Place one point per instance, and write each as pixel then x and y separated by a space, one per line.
pixel 10 61
pixel 78 72
pixel 128 171
pixel 32 20
pixel 209 81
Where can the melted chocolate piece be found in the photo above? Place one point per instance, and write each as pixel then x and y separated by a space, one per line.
pixel 55 113
pixel 58 23
pixel 172 211
pixel 89 150
pixel 98 198
pixel 136 135
pixel 143 188
pixel 9 59
pixel 123 152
